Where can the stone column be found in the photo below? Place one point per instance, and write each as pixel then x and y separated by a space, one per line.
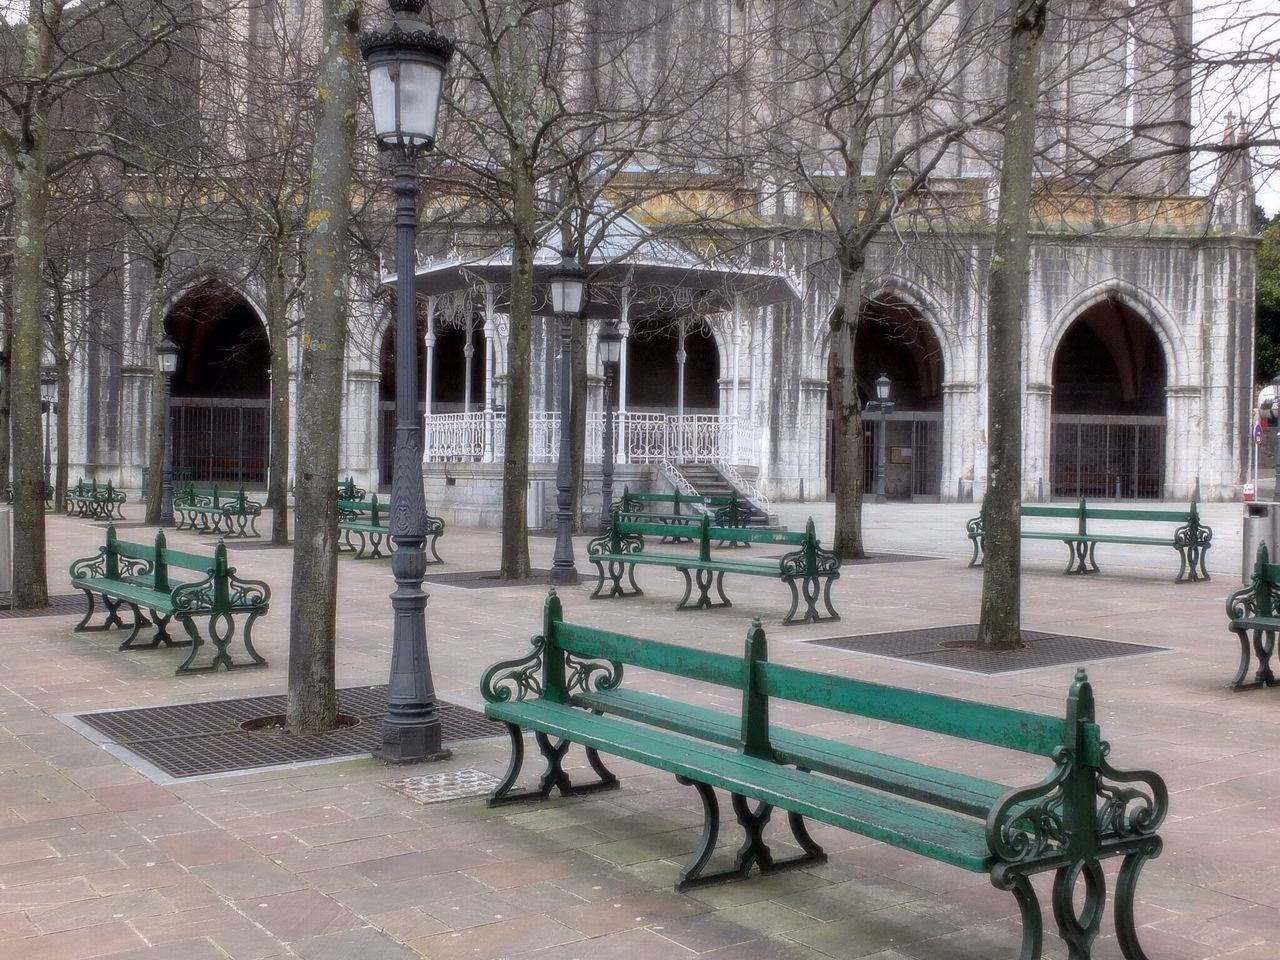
pixel 959 439
pixel 1185 457
pixel 1037 479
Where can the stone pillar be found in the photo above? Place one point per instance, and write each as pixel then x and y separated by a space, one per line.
pixel 431 351
pixel 959 417
pixel 362 433
pixel 1037 479
pixel 624 327
pixel 1187 459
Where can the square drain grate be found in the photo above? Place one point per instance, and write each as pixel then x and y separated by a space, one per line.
pixel 952 647
pixel 486 579
pixel 198 739
pixel 60 605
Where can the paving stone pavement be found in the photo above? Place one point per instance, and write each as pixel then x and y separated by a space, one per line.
pixel 324 862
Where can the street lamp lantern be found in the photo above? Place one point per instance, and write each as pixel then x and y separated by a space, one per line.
pixel 406 61
pixel 609 345
pixel 883 384
pixel 568 281
pixel 167 356
pixel 48 387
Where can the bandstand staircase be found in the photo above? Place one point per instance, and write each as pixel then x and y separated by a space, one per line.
pixel 708 481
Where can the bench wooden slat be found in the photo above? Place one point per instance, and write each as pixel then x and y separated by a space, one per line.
pixel 935 833
pixel 983 723
pixel 944 788
pixel 704 665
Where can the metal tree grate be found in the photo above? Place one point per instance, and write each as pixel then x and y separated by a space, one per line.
pixel 948 647
pixel 59 606
pixel 197 739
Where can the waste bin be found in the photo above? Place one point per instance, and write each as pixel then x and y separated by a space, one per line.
pixel 6 554
pixel 535 504
pixel 1261 525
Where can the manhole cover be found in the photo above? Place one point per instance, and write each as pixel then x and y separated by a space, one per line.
pixel 953 647
pixel 451 785
pixel 59 606
pixel 486 579
pixel 197 739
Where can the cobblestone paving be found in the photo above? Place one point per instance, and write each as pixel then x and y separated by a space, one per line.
pixel 326 863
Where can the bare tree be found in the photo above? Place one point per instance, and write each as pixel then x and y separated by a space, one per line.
pixel 61 48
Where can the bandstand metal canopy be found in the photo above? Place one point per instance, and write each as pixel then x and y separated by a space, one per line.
pixel 631 272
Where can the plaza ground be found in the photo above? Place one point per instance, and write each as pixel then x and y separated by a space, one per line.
pixel 324 862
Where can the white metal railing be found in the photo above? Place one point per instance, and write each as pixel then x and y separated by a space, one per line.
pixel 747 488
pixel 639 438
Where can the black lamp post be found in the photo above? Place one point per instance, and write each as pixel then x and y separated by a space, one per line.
pixel 610 347
pixel 884 406
pixel 167 358
pixel 48 404
pixel 406 61
pixel 567 281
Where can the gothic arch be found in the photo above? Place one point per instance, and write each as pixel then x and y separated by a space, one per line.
pixel 193 286
pixel 1140 301
pixel 911 295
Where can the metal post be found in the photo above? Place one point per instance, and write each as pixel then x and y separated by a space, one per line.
pixel 880 447
pixel 411 728
pixel 606 482
pixel 47 407
pixel 562 566
pixel 166 461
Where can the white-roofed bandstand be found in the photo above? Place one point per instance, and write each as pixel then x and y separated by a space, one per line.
pixel 683 392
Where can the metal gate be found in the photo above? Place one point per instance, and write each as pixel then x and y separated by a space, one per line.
pixel 925 450
pixel 1101 457
pixel 221 441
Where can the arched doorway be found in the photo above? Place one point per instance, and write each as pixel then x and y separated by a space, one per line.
pixel 1108 418
pixel 222 388
pixel 893 339
pixel 661 379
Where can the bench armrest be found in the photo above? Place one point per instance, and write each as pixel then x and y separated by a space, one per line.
pixel 1244 602
pixel 627 543
pixel 1193 535
pixel 1032 824
pixel 519 678
pixel 974 529
pixel 795 565
pixel 210 596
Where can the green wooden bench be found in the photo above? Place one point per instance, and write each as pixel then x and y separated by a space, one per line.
pixel 367 522
pixel 47 492
pixel 215 511
pixel 1253 614
pixel 568 689
pixel 140 577
pixel 1191 538
pixel 808 570
pixel 347 490
pixel 95 501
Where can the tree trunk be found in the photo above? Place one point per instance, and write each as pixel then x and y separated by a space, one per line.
pixel 159 392
pixel 578 415
pixel 846 415
pixel 278 470
pixel 515 464
pixel 313 703
pixel 999 621
pixel 30 201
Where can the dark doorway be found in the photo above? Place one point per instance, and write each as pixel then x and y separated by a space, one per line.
pixel 893 339
pixel 653 365
pixel 449 380
pixel 221 390
pixel 387 395
pixel 1108 422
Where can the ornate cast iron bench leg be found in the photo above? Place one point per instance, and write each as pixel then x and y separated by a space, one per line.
pixel 554 777
pixel 1249 648
pixel 1122 906
pixel 113 614
pixel 1028 909
pixel 978 552
pixel 1078 930
pixel 140 620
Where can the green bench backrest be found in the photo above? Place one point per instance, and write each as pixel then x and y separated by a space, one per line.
pixel 983 723
pixel 760 681
pixel 161 558
pixel 1121 513
pixel 706 666
pixel 372 507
